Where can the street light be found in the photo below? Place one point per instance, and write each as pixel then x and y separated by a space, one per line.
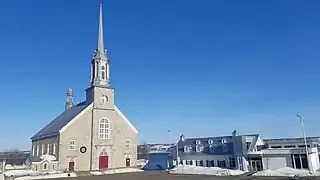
pixel 305 139
pixel 177 150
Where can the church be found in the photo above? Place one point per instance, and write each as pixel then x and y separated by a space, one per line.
pixel 91 135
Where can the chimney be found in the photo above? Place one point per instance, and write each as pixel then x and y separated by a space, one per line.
pixel 235 133
pixel 69 102
pixel 182 137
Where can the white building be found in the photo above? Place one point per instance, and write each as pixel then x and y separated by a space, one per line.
pixel 246 152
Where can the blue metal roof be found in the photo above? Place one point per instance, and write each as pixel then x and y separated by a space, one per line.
pixel 58 123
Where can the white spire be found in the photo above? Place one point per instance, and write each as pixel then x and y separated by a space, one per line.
pixel 100 63
pixel 100 47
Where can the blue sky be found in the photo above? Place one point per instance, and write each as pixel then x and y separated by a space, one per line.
pixel 201 68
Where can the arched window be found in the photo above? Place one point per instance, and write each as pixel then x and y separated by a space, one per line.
pixel 104 129
pixel 103 72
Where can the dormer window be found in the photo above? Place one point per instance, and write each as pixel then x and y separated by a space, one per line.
pixel 210 141
pixel 198 142
pixel 187 148
pixel 224 140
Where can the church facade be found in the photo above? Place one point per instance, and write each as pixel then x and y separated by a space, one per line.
pixel 91 135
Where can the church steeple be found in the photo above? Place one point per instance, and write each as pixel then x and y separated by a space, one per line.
pixel 100 62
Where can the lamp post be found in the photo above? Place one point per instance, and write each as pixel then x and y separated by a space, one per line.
pixel 177 151
pixel 305 139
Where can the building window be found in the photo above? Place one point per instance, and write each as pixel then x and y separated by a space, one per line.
pixel 33 150
pixel 38 148
pixel 187 148
pixel 199 148
pixel 48 148
pixel 232 162
pixel 42 149
pixel 53 167
pixel 54 149
pixel 210 141
pixel 103 72
pixel 104 129
pixel 198 142
pixel 72 144
pixel 127 143
pixel 45 166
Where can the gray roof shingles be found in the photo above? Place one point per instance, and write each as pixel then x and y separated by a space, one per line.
pixel 58 123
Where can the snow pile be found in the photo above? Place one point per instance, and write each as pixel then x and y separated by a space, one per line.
pixel 96 173
pixel 124 170
pixel 50 176
pixel 189 169
pixel 10 167
pixel 159 147
pixel 48 157
pixel 141 163
pixel 26 172
pixel 285 171
pixel 116 171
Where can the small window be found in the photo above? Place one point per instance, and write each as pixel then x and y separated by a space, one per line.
pixel 103 75
pixel 199 148
pixel 127 143
pixel 38 149
pixel 42 149
pixel 45 166
pixel 187 148
pixel 72 144
pixel 224 140
pixel 48 148
pixel 36 168
pixel 54 149
pixel 198 142
pixel 33 150
pixel 53 167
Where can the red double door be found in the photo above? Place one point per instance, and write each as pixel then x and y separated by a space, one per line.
pixel 71 165
pixel 103 162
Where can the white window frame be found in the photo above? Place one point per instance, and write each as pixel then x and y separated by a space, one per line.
pixel 42 149
pixel 45 166
pixel 38 149
pixel 33 150
pixel 103 72
pixel 187 148
pixel 72 144
pixel 104 128
pixel 199 148
pixel 48 149
pixel 54 149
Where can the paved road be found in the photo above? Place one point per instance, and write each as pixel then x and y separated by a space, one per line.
pixel 149 175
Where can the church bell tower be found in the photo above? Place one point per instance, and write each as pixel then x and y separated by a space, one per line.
pixel 100 91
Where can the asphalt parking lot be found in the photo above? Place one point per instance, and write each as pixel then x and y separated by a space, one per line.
pixel 154 175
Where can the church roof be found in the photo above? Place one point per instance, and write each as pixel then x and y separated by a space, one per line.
pixel 53 128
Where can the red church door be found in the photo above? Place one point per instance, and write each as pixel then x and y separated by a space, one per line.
pixel 103 162
pixel 71 165
pixel 127 162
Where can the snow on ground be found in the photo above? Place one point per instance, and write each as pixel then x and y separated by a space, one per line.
pixel 116 171
pixel 50 176
pixel 1 176
pixel 189 169
pixel 285 171
pixel 29 172
pixel 25 172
